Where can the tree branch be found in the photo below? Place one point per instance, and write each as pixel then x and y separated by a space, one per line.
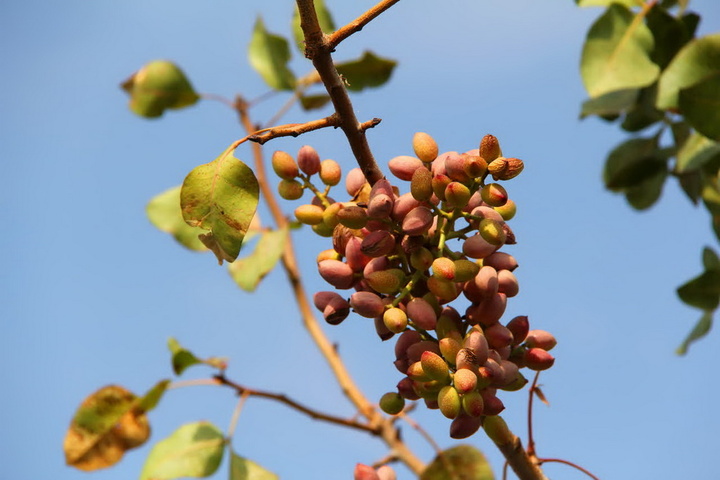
pixel 282 398
pixel 356 25
pixel 319 51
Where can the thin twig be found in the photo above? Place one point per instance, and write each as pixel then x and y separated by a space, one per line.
pixel 236 414
pixel 423 433
pixel 282 398
pixel 294 129
pixel 319 51
pixel 531 439
pixel 356 25
pixel 559 460
pixel 193 383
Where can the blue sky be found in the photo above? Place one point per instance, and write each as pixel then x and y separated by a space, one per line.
pixel 91 291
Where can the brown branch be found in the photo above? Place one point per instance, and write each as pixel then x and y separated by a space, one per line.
pixel 293 129
pixel 356 25
pixel 282 398
pixel 376 420
pixel 319 51
pixel 524 466
pixel 531 439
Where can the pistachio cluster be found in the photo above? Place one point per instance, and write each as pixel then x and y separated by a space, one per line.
pixel 409 256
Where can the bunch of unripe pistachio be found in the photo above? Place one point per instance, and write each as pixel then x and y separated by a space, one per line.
pixel 409 256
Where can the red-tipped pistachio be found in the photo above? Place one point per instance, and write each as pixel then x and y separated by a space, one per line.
pixel 494 194
pixel 473 404
pixel 290 189
pixel 367 304
pixel 395 320
pixel 449 402
pixel 465 380
pixel 538 359
pixel 519 327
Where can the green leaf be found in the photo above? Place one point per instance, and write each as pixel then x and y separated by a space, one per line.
pixel 700 104
pixel 691 183
pixel 269 55
pixel 711 196
pixel 182 358
pixel 611 103
pixel 698 60
pixel 312 102
pixel 695 152
pixel 151 399
pixel 369 71
pixel 702 327
pixel 710 259
pixel 459 463
pixel 643 113
pixel 616 54
pixel 680 132
pixel 249 271
pixel 632 162
pixel 221 196
pixel 193 450
pixel 646 193
pixel 244 469
pixel 105 426
pixel 703 291
pixel 157 86
pixel 607 3
pixel 164 212
pixel 324 19
pixel 669 33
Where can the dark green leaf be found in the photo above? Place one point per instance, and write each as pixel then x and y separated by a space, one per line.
pixel 711 196
pixel 702 327
pixel 157 86
pixel 324 19
pixel 632 162
pixel 164 212
pixel 646 193
pixel 612 103
pixel 703 291
pixel 181 358
pixel 249 271
pixel 643 114
pixel 691 21
pixel 244 469
pixel 369 71
pixel 463 462
pixel 311 102
pixel 696 152
pixel 710 259
pixel 670 34
pixel 193 450
pixel 700 104
pixel 680 131
pixel 691 183
pixel 153 396
pixel 616 54
pixel 221 196
pixel 269 55
pixel 697 60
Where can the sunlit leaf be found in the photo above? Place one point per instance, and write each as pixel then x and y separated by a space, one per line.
pixel 369 71
pixel 616 54
pixel 462 462
pixel 311 102
pixel 703 291
pixel 646 193
pixel 151 399
pixel 702 327
pixel 711 196
pixel 164 212
pixel 695 152
pixel 700 104
pixel 696 61
pixel 107 424
pixel 324 19
pixel 540 395
pixel 249 271
pixel 244 469
pixel 221 196
pixel 611 103
pixel 269 55
pixel 157 86
pixel 632 162
pixel 193 450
